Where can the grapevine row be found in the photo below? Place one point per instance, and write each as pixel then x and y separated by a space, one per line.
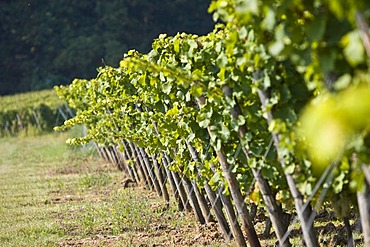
pixel 216 116
pixel 31 112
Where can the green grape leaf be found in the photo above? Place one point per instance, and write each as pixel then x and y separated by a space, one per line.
pixel 204 123
pixel 354 50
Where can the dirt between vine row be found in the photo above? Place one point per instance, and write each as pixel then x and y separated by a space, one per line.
pixel 330 230
pixel 189 236
pixel 207 235
pixel 161 232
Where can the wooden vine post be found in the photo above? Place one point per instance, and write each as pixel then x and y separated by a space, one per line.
pixel 275 211
pixel 363 198
pixel 215 203
pixel 235 191
pixel 304 214
pixel 161 179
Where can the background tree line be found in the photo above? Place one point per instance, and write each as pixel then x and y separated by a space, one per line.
pixel 49 42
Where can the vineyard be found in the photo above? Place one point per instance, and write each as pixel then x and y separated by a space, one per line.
pixel 32 113
pixel 269 112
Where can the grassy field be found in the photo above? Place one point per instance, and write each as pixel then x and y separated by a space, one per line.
pixel 54 195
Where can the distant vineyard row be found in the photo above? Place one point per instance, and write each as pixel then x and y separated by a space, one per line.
pixel 31 113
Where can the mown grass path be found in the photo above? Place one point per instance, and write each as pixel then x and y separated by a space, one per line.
pixel 25 217
pixel 53 195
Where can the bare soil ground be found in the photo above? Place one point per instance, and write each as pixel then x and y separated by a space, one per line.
pixel 166 226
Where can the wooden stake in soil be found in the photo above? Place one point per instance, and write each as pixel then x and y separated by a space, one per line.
pixel 235 192
pixel 233 220
pixel 110 156
pixel 190 190
pixel 139 165
pixel 161 179
pixel 217 208
pixel 203 203
pixel 304 214
pixel 179 186
pixel 120 160
pixel 170 178
pixel 181 191
pixel 124 158
pixel 151 174
pixel 220 217
pixel 275 211
pixel 129 156
pixel 177 189
pixel 144 167
pixel 364 208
